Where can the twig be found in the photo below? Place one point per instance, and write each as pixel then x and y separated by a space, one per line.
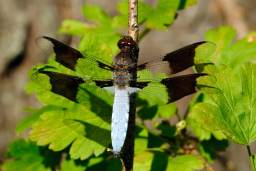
pixel 133 20
pixel 251 156
pixel 128 149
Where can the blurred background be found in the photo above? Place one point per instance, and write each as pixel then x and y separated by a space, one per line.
pixel 22 21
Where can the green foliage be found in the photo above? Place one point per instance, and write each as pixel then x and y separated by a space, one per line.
pixel 28 121
pixel 210 148
pixel 152 16
pixel 192 163
pixel 70 165
pixel 72 123
pixel 79 133
pixel 24 156
pixel 230 107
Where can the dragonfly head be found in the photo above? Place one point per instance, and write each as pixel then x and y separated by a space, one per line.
pixel 127 42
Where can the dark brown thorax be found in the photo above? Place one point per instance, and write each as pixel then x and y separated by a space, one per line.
pixel 125 62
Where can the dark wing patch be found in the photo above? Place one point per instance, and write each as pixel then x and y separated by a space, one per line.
pixel 105 66
pixel 181 86
pixel 182 58
pixel 139 84
pixel 177 60
pixel 104 83
pixel 68 56
pixel 64 85
pixel 65 54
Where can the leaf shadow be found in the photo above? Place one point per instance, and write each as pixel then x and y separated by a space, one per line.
pixel 159 162
pixel 92 132
pixel 182 4
pixel 99 106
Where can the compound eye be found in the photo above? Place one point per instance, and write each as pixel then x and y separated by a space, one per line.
pixel 126 41
pixel 121 43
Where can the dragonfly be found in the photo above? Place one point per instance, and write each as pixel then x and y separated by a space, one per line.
pixel 124 81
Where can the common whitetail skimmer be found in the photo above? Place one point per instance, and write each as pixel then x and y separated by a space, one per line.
pixel 123 81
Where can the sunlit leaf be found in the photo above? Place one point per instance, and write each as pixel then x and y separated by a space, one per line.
pixel 96 14
pixel 166 8
pixel 142 161
pixel 69 165
pixel 203 124
pixel 74 27
pixel 90 130
pixel 232 109
pixel 89 135
pixel 122 7
pixel 185 163
pixel 154 93
pixel 227 50
pixel 28 121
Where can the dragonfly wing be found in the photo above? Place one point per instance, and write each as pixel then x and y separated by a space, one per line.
pixel 177 60
pixel 181 86
pixel 177 87
pixel 63 84
pixel 182 58
pixel 104 83
pixel 67 85
pixel 69 56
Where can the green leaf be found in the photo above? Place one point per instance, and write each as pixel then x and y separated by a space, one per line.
pixel 89 136
pixel 100 44
pixel 154 94
pixel 101 163
pixel 69 165
pixel 20 147
pixel 122 8
pixel 25 156
pixel 222 38
pixel 142 161
pixel 96 14
pixel 92 130
pixel 141 142
pixel 240 53
pixel 227 51
pixel 163 15
pixel 73 27
pixel 210 148
pixel 202 123
pixel 28 121
pixel 167 111
pixel 253 162
pixel 231 110
pixel 186 3
pixel 160 161
pixel 185 163
pixel 230 106
pixel 30 163
pixel 205 54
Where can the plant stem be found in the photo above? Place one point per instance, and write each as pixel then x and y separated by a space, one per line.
pixel 128 149
pixel 251 156
pixel 133 20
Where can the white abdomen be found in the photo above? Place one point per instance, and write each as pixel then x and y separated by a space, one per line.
pixel 120 116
